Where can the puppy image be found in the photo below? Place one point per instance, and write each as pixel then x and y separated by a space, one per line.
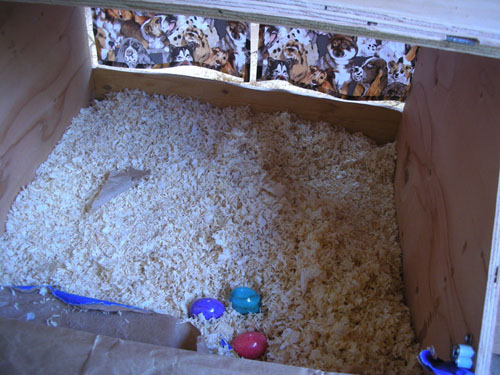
pixel 399 72
pixel 235 40
pixel 182 55
pixel 278 69
pixel 198 39
pixel 341 49
pixel 131 29
pixel 295 52
pixel 236 35
pixel 271 42
pixel 372 75
pixel 157 30
pixel 217 59
pixel 105 45
pixel 228 67
pixel 320 80
pixel 132 53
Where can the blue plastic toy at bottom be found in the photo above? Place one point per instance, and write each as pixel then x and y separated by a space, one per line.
pixel 440 367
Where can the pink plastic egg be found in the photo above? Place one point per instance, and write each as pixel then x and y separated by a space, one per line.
pixel 250 345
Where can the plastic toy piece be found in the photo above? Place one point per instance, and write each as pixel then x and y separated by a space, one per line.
pixel 245 300
pixel 462 356
pixel 439 367
pixel 209 307
pixel 250 345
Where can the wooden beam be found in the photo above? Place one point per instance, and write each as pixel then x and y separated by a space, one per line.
pixel 378 123
pixel 431 23
pixel 490 329
pixel 446 187
pixel 44 75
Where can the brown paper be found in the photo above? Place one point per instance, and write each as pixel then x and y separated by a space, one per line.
pixel 40 306
pixel 115 183
pixel 30 348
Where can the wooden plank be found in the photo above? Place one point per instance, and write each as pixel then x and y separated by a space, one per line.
pixel 33 348
pixel 496 343
pixel 446 185
pixel 378 123
pixel 490 329
pixel 44 74
pixel 412 21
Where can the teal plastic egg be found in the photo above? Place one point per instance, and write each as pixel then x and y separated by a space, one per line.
pixel 245 300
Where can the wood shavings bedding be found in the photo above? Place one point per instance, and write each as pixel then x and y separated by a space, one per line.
pixel 301 212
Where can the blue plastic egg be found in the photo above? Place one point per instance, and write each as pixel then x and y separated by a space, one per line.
pixel 209 307
pixel 245 300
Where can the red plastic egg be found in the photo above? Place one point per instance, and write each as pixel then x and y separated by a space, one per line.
pixel 250 345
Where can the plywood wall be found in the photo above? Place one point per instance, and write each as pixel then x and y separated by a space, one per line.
pixel 446 185
pixel 44 81
pixel 458 25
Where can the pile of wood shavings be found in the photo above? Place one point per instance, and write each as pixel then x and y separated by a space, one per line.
pixel 303 213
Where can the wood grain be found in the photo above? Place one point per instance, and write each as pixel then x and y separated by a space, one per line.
pixel 490 329
pixel 44 74
pixel 378 123
pixel 446 185
pixel 411 21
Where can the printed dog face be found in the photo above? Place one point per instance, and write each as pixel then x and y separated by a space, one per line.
pixel 294 51
pixel 278 69
pixel 132 53
pixel 269 36
pixel 320 80
pixel 196 37
pixel 182 55
pixel 218 58
pixel 106 45
pixel 237 30
pixel 342 47
pixel 367 72
pixel 399 72
pixel 318 77
pixel 157 26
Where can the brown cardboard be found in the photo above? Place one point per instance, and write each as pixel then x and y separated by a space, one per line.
pixel 30 348
pixel 40 334
pixel 41 307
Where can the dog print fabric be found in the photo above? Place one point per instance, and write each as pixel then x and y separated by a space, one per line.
pixel 344 66
pixel 148 40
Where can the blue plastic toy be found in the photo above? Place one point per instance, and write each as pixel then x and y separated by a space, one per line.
pixel 440 367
